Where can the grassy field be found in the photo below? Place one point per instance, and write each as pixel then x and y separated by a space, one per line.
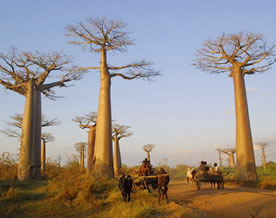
pixel 66 192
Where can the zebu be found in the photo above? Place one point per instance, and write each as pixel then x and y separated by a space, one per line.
pixel 190 175
pixel 163 181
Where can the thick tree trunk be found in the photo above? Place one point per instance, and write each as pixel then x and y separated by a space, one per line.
pixel 91 147
pixel 148 156
pixel 43 156
pixel 25 156
pixel 220 160
pixel 82 158
pixel 116 157
pixel 263 158
pixel 232 160
pixel 119 155
pixel 103 144
pixel 246 167
pixel 36 160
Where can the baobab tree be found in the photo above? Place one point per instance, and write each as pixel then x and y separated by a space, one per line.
pixel 45 137
pixel 102 36
pixel 148 148
pixel 230 153
pixel 220 159
pixel 88 121
pixel 16 128
pixel 81 149
pixel 239 54
pixel 262 146
pixel 118 132
pixel 26 73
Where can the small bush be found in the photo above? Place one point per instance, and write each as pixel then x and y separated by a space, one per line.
pixel 8 166
pixel 73 185
pixel 271 168
pixel 268 182
pixel 53 170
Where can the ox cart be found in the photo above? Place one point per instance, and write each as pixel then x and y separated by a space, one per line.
pixel 212 177
pixel 143 182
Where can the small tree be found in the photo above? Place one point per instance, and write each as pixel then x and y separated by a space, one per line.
pixel 119 132
pixel 45 137
pixel 262 146
pixel 148 148
pixel 230 153
pixel 239 54
pixel 101 35
pixel 16 123
pixel 81 148
pixel 26 74
pixel 89 121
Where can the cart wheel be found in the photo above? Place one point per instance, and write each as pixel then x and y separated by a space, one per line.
pixel 198 185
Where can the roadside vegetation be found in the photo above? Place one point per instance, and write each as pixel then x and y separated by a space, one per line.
pixel 65 191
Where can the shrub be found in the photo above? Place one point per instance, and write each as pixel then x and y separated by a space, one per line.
pixel 271 168
pixel 73 185
pixel 52 170
pixel 8 166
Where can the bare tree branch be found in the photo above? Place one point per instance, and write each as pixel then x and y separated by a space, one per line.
pixel 245 49
pixel 80 145
pixel 17 120
pixel 17 69
pixel 99 33
pixel 148 147
pixel 11 133
pixel 121 131
pixel 47 137
pixel 87 121
pixel 135 70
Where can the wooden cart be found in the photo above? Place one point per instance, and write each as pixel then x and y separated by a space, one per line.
pixel 212 177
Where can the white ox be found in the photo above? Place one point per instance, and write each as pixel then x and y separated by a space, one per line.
pixel 190 174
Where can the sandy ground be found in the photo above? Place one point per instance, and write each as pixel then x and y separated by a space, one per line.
pixel 231 202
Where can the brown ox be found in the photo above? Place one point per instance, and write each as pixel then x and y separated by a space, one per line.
pixel 163 181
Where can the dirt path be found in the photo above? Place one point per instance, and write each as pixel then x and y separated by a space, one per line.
pixel 231 202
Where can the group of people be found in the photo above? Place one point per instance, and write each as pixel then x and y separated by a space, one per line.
pixel 203 167
pixel 146 168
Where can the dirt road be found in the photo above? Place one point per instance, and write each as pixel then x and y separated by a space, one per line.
pixel 231 202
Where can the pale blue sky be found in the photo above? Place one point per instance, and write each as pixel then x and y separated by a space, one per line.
pixel 186 113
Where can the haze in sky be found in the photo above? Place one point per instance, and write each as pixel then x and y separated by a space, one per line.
pixel 186 113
